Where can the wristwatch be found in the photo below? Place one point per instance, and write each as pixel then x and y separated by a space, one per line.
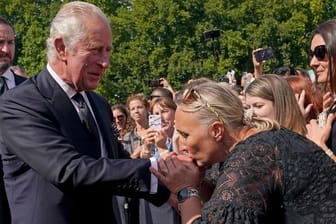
pixel 185 193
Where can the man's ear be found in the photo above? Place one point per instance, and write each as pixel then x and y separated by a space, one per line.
pixel 216 130
pixel 60 48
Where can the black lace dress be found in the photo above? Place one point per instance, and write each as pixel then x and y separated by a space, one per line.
pixel 273 177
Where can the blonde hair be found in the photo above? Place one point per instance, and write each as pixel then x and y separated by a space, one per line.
pixel 274 88
pixel 211 102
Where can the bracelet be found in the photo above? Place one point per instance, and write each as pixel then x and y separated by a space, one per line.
pixel 330 154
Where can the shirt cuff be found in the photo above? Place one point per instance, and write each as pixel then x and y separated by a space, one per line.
pixel 154 180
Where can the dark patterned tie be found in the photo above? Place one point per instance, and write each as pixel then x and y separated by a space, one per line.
pixel 3 85
pixel 86 116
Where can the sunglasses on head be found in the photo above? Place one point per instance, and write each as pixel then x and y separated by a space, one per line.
pixel 319 52
pixel 193 95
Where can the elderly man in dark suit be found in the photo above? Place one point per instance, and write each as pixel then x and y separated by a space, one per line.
pixel 8 80
pixel 62 162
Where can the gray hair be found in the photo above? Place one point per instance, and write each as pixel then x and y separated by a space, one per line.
pixel 69 24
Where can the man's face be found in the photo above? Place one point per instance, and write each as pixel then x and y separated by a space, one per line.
pixel 7 47
pixel 87 62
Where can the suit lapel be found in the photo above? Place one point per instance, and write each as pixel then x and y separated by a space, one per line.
pixel 65 114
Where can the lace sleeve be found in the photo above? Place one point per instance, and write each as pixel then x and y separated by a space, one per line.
pixel 243 187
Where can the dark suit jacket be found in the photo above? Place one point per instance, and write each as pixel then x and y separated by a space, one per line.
pixel 4 208
pixel 53 172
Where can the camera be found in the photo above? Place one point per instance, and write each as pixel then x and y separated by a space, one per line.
pixel 212 34
pixel 264 54
pixel 154 83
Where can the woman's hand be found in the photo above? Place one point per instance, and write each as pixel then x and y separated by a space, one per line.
pixel 258 66
pixel 328 99
pixel 149 138
pixel 165 84
pixel 137 152
pixel 300 98
pixel 147 141
pixel 320 135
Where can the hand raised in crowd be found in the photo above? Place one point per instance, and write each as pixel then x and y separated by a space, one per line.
pixel 301 102
pixel 258 66
pixel 177 172
pixel 146 142
pixel 149 137
pixel 328 99
pixel 143 149
pixel 165 84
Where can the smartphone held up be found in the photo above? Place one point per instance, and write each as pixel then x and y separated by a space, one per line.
pixel 264 54
pixel 155 122
pixel 155 83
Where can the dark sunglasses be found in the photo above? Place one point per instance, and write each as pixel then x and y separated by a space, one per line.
pixel 319 52
pixel 119 117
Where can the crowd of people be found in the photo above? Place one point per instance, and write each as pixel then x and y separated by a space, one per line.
pixel 207 153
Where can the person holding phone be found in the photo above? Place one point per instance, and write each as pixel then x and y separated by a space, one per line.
pixel 162 120
pixel 258 66
pixel 164 108
pixel 141 143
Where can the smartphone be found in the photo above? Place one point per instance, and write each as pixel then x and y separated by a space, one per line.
pixel 155 122
pixel 264 54
pixel 155 83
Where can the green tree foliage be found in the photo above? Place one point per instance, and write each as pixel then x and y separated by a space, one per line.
pixel 166 38
pixel 31 19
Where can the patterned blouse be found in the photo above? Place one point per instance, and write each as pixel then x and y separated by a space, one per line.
pixel 131 141
pixel 273 177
